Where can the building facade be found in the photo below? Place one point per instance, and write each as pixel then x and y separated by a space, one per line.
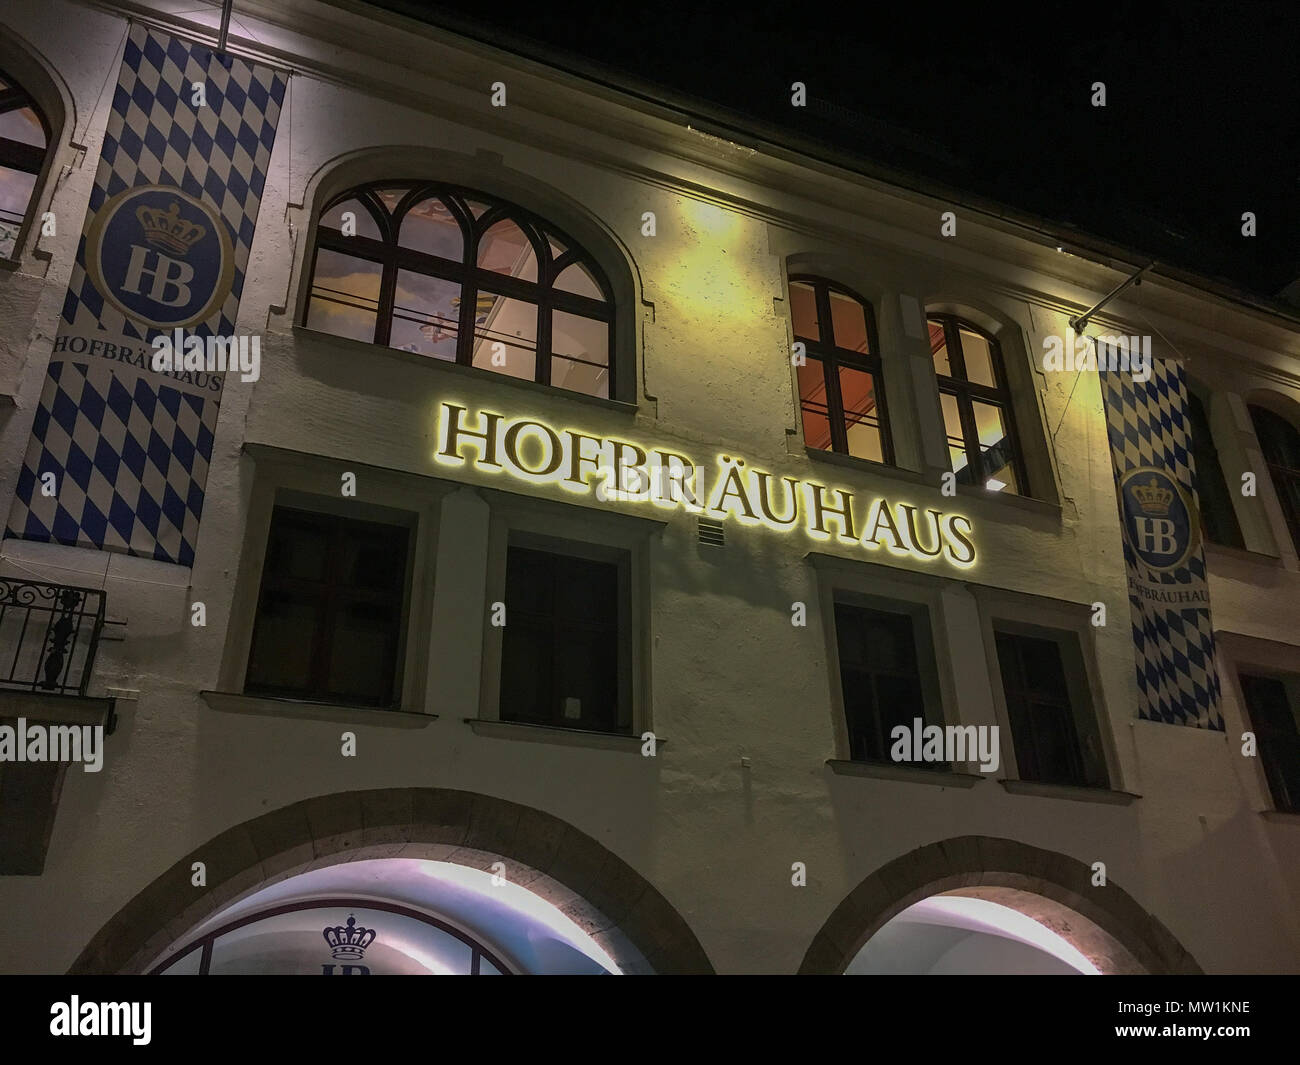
pixel 406 655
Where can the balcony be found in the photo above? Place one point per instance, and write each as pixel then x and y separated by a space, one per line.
pixel 49 636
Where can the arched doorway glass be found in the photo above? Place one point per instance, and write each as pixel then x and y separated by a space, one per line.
pixel 387 917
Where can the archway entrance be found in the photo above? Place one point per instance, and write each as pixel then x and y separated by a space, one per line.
pixel 608 900
pixel 954 934
pixel 982 904
pixel 388 916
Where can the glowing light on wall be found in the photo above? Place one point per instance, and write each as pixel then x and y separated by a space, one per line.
pixel 614 470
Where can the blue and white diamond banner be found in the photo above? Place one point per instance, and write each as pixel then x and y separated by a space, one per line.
pixel 119 452
pixel 1155 480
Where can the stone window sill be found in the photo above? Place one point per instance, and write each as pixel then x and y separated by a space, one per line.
pixel 909 774
pixel 270 706
pixel 1069 791
pixel 515 730
pixel 355 347
pixel 852 462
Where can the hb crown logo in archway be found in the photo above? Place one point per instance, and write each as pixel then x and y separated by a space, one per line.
pixel 160 256
pixel 1160 520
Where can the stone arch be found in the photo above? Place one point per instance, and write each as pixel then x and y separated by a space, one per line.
pixel 1106 924
pixel 609 899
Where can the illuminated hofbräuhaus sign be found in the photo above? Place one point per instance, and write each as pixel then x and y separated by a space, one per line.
pixel 617 471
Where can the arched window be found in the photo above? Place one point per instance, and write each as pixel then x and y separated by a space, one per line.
pixel 24 138
pixel 1218 519
pixel 459 276
pixel 841 390
pixel 976 403
pixel 1280 442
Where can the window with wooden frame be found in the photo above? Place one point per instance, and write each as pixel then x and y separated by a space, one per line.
pixel 1218 519
pixel 976 402
pixel 1279 440
pixel 561 659
pixel 331 608
pixel 460 276
pixel 24 140
pixel 886 660
pixel 1056 737
pixel 841 384
pixel 1271 706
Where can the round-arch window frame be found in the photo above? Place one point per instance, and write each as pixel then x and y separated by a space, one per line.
pixel 832 357
pixel 966 392
pixel 16 155
pixel 1272 430
pixel 204 942
pixel 391 256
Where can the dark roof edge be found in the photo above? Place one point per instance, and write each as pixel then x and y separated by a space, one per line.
pixel 755 133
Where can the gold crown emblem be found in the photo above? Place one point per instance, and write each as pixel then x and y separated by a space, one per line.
pixel 168 230
pixel 1153 499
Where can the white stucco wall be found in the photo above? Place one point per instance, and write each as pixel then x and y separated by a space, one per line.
pixel 729 676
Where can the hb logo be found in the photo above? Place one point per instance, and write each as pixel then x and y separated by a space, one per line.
pixel 348 943
pixel 160 256
pixel 1160 520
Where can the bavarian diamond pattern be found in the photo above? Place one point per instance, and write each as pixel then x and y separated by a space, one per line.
pixel 130 453
pixel 1178 680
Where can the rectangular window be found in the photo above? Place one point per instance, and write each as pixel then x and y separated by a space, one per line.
pixel 882 678
pixel 1272 710
pixel 1055 737
pixel 562 659
pixel 330 612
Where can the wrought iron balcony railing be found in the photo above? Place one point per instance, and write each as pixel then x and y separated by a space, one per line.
pixel 49 634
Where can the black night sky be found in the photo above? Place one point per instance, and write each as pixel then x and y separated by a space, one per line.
pixel 1202 119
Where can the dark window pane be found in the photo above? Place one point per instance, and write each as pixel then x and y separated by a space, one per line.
pixel 1043 728
pixel 1274 721
pixel 527 670
pixel 560 645
pixel 362 650
pixel 1279 440
pixel 281 655
pixel 1218 518
pixel 879 677
pixel 329 617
